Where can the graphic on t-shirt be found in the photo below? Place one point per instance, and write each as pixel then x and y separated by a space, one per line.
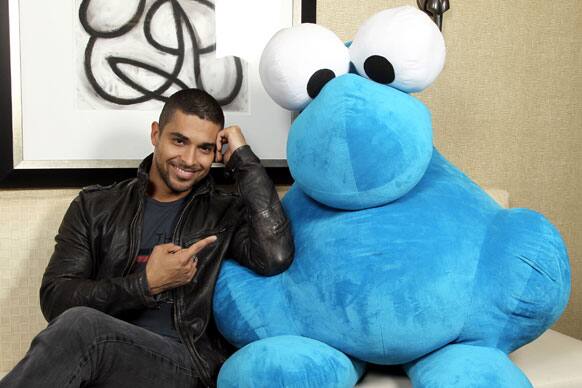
pixel 144 253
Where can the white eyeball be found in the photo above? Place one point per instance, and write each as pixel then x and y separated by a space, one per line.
pixel 298 62
pixel 401 47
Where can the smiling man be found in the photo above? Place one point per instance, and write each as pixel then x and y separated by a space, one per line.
pixel 183 154
pixel 128 289
pixel 185 151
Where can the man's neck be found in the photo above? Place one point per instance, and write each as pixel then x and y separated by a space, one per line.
pixel 161 196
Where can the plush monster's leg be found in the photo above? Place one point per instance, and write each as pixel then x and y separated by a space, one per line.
pixel 464 366
pixel 522 282
pixel 289 361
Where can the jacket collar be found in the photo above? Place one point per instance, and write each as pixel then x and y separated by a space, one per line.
pixel 143 172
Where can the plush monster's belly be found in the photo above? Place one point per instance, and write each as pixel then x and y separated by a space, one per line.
pixel 391 283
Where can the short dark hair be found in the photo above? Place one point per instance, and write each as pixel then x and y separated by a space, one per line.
pixel 192 101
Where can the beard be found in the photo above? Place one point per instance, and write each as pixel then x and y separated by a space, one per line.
pixel 164 173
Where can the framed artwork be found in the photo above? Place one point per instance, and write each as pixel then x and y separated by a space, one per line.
pixel 82 80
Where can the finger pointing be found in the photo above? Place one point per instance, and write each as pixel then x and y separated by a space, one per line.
pixel 200 245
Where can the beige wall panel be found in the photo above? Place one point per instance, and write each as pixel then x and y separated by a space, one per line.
pixel 30 219
pixel 507 108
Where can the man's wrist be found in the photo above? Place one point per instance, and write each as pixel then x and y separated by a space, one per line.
pixel 148 297
pixel 153 287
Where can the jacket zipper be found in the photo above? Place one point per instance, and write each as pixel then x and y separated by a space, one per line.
pixel 134 242
pixel 194 355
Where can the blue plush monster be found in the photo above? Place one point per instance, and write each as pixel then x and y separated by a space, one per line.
pixel 400 258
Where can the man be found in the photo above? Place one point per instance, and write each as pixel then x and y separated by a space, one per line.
pixel 128 290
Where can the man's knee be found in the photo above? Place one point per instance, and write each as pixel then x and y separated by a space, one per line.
pixel 79 313
pixel 80 320
pixel 74 329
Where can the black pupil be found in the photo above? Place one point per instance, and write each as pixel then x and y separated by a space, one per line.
pixel 379 69
pixel 318 81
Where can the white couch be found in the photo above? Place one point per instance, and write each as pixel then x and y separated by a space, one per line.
pixel 552 361
pixel 30 219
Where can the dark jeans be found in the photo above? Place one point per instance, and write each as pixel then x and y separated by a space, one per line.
pixel 84 347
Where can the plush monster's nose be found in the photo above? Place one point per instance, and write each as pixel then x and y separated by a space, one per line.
pixel 359 144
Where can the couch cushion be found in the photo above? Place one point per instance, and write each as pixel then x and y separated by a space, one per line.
pixel 552 361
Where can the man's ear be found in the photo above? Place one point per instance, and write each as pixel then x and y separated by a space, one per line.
pixel 155 135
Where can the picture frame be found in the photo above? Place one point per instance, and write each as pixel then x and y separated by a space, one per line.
pixel 54 172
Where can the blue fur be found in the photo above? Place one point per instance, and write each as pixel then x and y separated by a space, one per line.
pixel 400 258
pixel 377 141
pixel 289 361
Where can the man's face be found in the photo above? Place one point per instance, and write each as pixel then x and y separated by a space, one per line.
pixel 183 154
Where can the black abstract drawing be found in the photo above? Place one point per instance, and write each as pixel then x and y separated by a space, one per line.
pixel 154 48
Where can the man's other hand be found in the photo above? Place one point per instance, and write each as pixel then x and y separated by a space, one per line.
pixel 171 266
pixel 231 136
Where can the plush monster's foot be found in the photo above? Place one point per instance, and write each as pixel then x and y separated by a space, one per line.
pixel 460 366
pixel 289 361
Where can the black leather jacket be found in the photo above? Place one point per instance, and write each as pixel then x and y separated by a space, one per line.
pixel 98 241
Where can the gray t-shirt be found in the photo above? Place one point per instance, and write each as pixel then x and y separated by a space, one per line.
pixel 159 222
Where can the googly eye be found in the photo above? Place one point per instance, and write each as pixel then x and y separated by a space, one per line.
pixel 299 61
pixel 400 47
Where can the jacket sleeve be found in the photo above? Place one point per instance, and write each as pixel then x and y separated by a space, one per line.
pixel 69 280
pixel 263 240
